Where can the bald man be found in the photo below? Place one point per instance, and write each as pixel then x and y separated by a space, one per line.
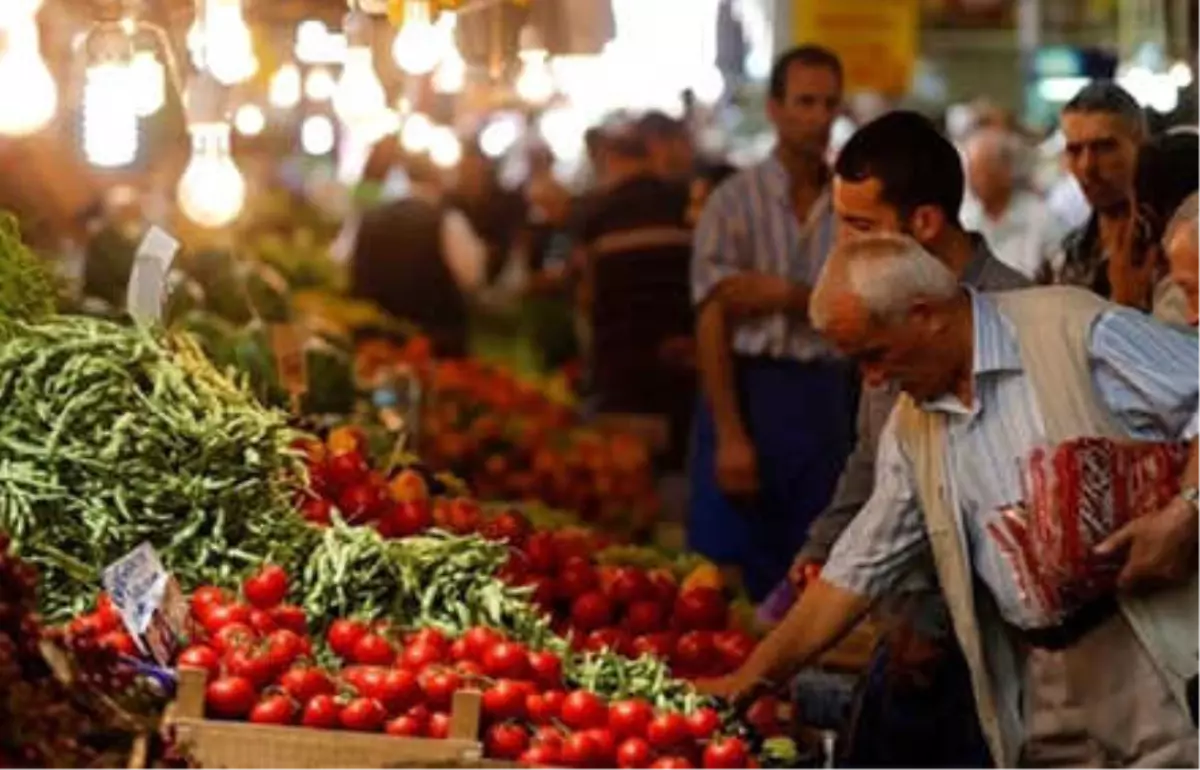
pixel 1017 224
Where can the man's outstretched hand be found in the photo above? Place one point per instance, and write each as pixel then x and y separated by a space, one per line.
pixel 1161 547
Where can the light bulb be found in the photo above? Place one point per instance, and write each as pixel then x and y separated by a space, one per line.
pixel 149 83
pixel 444 148
pixel 418 47
pixel 319 85
pixel 499 136
pixel 249 120
pixel 417 133
pixel 228 46
pixel 709 85
pixel 563 130
pixel 211 191
pixel 317 135
pixel 535 83
pixel 30 94
pixel 16 11
pixel 451 74
pixel 110 129
pixel 359 98
pixel 284 90
pixel 1181 73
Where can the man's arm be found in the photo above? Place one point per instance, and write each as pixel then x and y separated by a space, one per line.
pixel 755 294
pixel 466 255
pixel 736 462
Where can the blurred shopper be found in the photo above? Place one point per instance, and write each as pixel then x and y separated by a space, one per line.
pixel 1016 223
pixel 1182 246
pixel 496 214
pixel 706 181
pixel 899 175
pixel 672 151
pixel 1062 677
pixel 1103 126
pixel 419 260
pixel 776 419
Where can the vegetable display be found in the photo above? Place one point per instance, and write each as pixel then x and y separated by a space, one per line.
pixel 27 291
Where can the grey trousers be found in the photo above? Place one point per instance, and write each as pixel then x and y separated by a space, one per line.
pixel 1102 703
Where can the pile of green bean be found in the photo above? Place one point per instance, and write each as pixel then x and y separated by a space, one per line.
pixel 111 436
pixel 27 291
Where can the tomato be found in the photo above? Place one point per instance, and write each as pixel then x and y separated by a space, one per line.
pixel 726 753
pixel 410 518
pixel 644 617
pixel 119 642
pixel 544 592
pixel 578 750
pixel 668 731
pixel 398 690
pixel 405 726
pixel 251 663
pixel 266 588
pixel 262 622
pixel 609 639
pixel 702 609
pixel 321 712
pixel 439 686
pixel 628 585
pixel 283 647
pixel 317 510
pixel 763 716
pixel 634 752
pixel 343 635
pixel 223 615
pixel 660 645
pixel 504 700
pixel 506 741
pixel 479 640
pixel 591 610
pixel 200 656
pixel 367 681
pixel 233 636
pixel 364 715
pixel 733 648
pixel 273 710
pixel 663 588
pixel 90 625
pixel 506 660
pixel 541 556
pixel 346 468
pixel 420 712
pixel 465 516
pixel 629 718
pixel 469 669
pixel 417 657
pixel 229 697
pixel 373 650
pixel 547 735
pixel 547 669
pixel 304 683
pixel 671 763
pixel 703 723
pixel 582 710
pixel 510 527
pixel 439 726
pixel 205 598
pixel 544 707
pixel 540 755
pixel 291 617
pixel 694 652
pixel 604 753
pixel 576 579
pixel 431 637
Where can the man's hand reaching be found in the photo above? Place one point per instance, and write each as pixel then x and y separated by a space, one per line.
pixel 1161 547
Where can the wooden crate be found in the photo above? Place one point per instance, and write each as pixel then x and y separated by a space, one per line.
pixel 214 743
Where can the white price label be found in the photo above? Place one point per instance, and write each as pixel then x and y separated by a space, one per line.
pixel 149 601
pixel 147 289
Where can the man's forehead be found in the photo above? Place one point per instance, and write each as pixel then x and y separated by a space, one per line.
pixel 849 321
pixel 862 192
pixel 1080 127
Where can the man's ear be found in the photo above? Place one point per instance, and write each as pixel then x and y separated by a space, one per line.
pixel 926 223
pixel 924 314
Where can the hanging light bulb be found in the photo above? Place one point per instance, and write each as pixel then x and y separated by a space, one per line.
pixel 319 86
pixel 359 99
pixel 110 93
pixel 284 89
pixel 418 47
pixel 228 46
pixel 417 132
pixel 30 94
pixel 444 148
pixel 451 74
pixel 535 82
pixel 249 120
pixel 149 83
pixel 317 135
pixel 212 191
pixel 16 11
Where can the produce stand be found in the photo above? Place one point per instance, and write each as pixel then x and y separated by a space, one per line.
pixel 215 743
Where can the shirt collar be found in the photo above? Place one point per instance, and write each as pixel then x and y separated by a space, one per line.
pixel 994 351
pixel 780 183
pixel 981 255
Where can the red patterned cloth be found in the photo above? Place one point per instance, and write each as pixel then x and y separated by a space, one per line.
pixel 1077 494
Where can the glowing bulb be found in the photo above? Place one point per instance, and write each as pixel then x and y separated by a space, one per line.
pixel 149 83
pixel 284 89
pixel 451 74
pixel 30 94
pixel 359 98
pixel 228 47
pixel 444 148
pixel 212 191
pixel 317 135
pixel 563 131
pixel 249 120
pixel 535 83
pixel 709 86
pixel 417 133
pixel 110 130
pixel 1181 74
pixel 319 86
pixel 418 47
pixel 498 137
pixel 14 12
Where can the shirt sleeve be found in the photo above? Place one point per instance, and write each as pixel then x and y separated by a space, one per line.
pixel 719 243
pixel 466 254
pixel 887 539
pixel 1145 373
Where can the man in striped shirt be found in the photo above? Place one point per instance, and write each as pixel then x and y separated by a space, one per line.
pixel 775 423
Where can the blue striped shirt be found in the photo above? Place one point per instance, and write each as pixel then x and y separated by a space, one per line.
pixel 749 224
pixel 1143 372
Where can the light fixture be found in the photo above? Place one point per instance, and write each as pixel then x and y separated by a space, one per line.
pixel 110 95
pixel 319 86
pixel 535 81
pixel 30 94
pixel 149 83
pixel 709 85
pixel 249 120
pixel 317 135
pixel 1181 73
pixel 499 136
pixel 563 129
pixel 228 46
pixel 418 47
pixel 444 148
pixel 359 98
pixel 212 191
pixel 285 87
pixel 417 132
pixel 451 73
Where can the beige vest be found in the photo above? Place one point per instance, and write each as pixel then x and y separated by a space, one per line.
pixel 1053 327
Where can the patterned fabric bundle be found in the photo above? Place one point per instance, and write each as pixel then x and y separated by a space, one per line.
pixel 1077 494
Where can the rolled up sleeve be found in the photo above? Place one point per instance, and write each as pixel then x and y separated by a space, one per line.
pixel 1146 374
pixel 719 243
pixel 886 540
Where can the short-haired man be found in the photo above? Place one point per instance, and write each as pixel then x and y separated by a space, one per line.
pixel 776 420
pixel 897 174
pixel 1103 127
pixel 987 379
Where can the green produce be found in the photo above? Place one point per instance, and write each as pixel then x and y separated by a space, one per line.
pixel 616 677
pixel 27 291
pixel 111 436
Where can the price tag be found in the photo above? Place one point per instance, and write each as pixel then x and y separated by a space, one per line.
pixel 287 343
pixel 149 600
pixel 146 292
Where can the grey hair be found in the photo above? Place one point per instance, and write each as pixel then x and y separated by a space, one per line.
pixel 1186 216
pixel 999 143
pixel 1107 97
pixel 888 273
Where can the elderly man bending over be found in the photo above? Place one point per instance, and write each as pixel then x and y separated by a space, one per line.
pixel 986 380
